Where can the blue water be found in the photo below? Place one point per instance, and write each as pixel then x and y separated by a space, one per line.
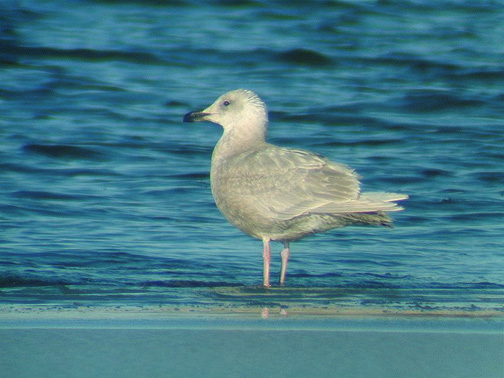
pixel 104 192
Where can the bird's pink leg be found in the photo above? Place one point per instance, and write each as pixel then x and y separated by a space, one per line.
pixel 285 259
pixel 266 260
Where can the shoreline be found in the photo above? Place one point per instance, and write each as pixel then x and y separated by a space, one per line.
pixel 252 318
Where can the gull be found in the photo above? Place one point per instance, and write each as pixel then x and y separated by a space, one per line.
pixel 281 194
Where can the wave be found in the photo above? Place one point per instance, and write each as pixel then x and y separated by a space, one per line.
pixel 51 196
pixel 433 101
pixel 62 151
pixel 93 55
pixel 301 56
pixel 189 284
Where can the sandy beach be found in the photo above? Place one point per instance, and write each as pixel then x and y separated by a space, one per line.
pixel 117 342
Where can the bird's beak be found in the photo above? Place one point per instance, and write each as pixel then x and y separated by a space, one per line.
pixel 196 116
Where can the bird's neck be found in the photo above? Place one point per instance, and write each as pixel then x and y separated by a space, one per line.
pixel 236 141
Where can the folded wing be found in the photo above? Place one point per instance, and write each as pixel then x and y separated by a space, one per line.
pixel 287 183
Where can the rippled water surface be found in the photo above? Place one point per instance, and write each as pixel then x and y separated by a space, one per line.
pixel 104 192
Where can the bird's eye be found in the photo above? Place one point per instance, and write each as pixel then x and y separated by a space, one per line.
pixel 226 103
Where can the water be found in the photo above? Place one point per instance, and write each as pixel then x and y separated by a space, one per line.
pixel 104 192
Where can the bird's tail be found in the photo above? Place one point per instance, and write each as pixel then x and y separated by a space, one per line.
pixel 383 201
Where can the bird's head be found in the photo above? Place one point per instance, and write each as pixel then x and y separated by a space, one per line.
pixel 238 110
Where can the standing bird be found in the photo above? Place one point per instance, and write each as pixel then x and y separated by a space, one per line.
pixel 281 194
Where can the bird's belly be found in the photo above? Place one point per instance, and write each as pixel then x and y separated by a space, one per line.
pixel 243 215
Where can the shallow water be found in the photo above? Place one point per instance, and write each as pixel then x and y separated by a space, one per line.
pixel 104 192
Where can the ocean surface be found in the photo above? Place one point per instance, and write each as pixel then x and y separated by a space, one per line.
pixel 104 192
